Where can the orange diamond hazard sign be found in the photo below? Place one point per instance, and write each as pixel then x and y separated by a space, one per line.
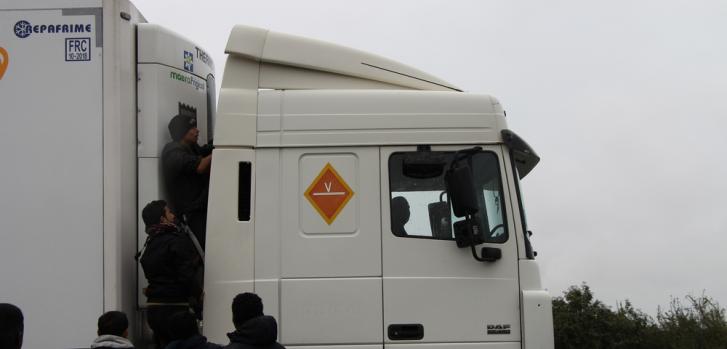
pixel 329 194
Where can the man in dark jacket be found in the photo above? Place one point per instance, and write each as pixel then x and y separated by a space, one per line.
pixel 184 332
pixel 171 266
pixel 113 331
pixel 185 169
pixel 253 330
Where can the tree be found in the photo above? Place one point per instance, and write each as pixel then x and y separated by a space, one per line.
pixel 699 324
pixel 632 328
pixel 581 321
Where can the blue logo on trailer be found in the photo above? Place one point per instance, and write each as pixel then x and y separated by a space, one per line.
pixel 23 29
pixel 188 61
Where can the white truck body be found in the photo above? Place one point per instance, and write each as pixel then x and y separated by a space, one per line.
pixel 300 122
pixel 75 165
pixel 333 273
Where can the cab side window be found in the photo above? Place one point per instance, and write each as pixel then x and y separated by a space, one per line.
pixel 419 205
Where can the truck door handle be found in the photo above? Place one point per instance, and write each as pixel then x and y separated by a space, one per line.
pixel 400 332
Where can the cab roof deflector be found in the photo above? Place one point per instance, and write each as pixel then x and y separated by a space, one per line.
pixel 308 54
pixel 523 155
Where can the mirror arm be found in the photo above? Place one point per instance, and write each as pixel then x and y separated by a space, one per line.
pixel 474 254
pixel 463 154
pixel 472 241
pixel 488 254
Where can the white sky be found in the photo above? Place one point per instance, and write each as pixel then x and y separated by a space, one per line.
pixel 623 100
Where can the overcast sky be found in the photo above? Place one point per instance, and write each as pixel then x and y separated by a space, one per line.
pixel 623 100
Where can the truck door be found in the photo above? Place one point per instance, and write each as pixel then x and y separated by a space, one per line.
pixel 174 77
pixel 330 263
pixel 435 292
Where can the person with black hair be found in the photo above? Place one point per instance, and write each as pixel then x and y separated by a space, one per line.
pixel 11 326
pixel 184 333
pixel 400 214
pixel 253 329
pixel 172 267
pixel 185 169
pixel 113 331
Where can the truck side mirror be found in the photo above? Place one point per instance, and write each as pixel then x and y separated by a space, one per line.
pixel 491 254
pixel 461 190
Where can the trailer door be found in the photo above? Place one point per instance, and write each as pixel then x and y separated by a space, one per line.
pixel 51 192
pixel 434 292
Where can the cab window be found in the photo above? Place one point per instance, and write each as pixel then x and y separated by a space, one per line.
pixel 419 206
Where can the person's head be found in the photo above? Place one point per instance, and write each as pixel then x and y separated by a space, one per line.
pixel 157 212
pixel 399 212
pixel 182 325
pixel 113 323
pixel 11 326
pixel 246 306
pixel 183 128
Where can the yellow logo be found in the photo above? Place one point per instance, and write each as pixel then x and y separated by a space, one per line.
pixel 4 60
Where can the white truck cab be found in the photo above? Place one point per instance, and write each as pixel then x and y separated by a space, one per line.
pixel 369 204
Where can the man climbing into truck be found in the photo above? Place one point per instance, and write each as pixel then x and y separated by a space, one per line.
pixel 185 169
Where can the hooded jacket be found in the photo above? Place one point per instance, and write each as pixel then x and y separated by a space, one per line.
pixel 257 333
pixel 195 342
pixel 108 341
pixel 170 264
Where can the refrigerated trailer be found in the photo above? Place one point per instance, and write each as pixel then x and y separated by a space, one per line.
pixel 368 203
pixel 86 91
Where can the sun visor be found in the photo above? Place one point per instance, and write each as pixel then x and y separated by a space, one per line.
pixel 523 155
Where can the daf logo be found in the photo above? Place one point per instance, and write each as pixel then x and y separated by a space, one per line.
pixel 23 29
pixel 498 329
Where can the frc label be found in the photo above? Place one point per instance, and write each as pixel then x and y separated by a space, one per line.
pixel 78 49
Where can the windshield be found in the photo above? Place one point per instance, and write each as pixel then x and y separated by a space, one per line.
pixel 419 206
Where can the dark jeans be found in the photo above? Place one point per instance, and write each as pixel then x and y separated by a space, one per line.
pixel 158 317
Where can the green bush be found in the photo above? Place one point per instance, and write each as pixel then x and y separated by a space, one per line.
pixel 581 321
